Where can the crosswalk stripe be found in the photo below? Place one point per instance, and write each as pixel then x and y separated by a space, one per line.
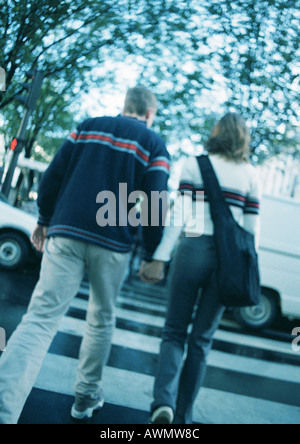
pixel 133 300
pixel 123 338
pixel 161 309
pixel 221 335
pixel 137 341
pixel 241 378
pixel 254 374
pixel 157 321
pixel 134 390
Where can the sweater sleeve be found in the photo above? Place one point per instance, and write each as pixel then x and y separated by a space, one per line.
pixel 155 186
pixel 177 216
pixel 252 208
pixel 52 180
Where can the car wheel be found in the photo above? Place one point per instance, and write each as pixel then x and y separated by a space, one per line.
pixel 14 251
pixel 259 317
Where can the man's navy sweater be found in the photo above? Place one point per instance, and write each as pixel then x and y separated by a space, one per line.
pixel 101 154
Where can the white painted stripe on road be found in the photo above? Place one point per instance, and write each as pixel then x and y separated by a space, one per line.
pixel 222 360
pixel 134 390
pixel 257 367
pixel 130 297
pixel 231 337
pixel 122 338
pixel 135 302
pixel 253 341
pixel 157 321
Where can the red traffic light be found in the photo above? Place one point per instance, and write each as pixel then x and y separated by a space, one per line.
pixel 14 144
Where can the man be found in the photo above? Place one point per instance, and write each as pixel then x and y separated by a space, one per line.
pixel 99 156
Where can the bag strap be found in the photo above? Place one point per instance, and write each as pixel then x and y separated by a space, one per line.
pixel 218 204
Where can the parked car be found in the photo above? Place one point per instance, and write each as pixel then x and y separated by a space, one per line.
pixel 16 227
pixel 279 257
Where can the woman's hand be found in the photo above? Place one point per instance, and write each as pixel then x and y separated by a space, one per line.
pixel 38 237
pixel 152 272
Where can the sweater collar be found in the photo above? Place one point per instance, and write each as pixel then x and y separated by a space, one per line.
pixel 133 118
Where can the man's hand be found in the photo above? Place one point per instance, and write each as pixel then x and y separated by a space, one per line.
pixel 38 237
pixel 152 272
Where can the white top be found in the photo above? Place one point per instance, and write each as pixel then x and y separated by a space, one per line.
pixel 191 211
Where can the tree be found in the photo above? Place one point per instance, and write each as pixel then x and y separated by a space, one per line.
pixel 67 39
pixel 202 58
pixel 235 55
pixel 261 42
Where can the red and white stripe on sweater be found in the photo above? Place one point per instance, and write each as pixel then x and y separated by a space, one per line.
pixel 191 214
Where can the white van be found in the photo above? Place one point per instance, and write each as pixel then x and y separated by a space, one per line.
pixel 279 257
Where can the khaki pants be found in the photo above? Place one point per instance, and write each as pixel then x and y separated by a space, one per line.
pixel 62 271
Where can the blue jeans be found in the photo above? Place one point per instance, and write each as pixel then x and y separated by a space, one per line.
pixel 180 378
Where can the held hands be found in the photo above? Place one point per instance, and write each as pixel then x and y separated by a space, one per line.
pixel 38 237
pixel 152 272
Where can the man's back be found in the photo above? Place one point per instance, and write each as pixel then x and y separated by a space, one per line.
pixel 99 156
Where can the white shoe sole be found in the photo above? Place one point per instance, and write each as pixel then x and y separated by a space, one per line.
pixel 88 413
pixel 162 415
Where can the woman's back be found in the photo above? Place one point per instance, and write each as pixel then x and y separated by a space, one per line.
pixel 229 150
pixel 240 184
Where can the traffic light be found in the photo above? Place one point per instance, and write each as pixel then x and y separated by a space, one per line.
pixel 14 144
pixel 34 80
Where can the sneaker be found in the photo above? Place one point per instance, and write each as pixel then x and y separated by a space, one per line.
pixel 84 406
pixel 162 415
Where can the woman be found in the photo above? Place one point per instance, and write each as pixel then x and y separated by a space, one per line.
pixel 179 379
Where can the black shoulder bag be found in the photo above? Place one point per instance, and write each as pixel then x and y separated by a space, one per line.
pixel 238 276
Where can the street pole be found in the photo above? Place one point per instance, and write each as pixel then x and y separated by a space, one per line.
pixel 30 103
pixel 16 153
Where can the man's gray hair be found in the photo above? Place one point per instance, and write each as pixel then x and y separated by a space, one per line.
pixel 139 100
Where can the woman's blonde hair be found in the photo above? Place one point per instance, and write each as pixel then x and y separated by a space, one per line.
pixel 230 138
